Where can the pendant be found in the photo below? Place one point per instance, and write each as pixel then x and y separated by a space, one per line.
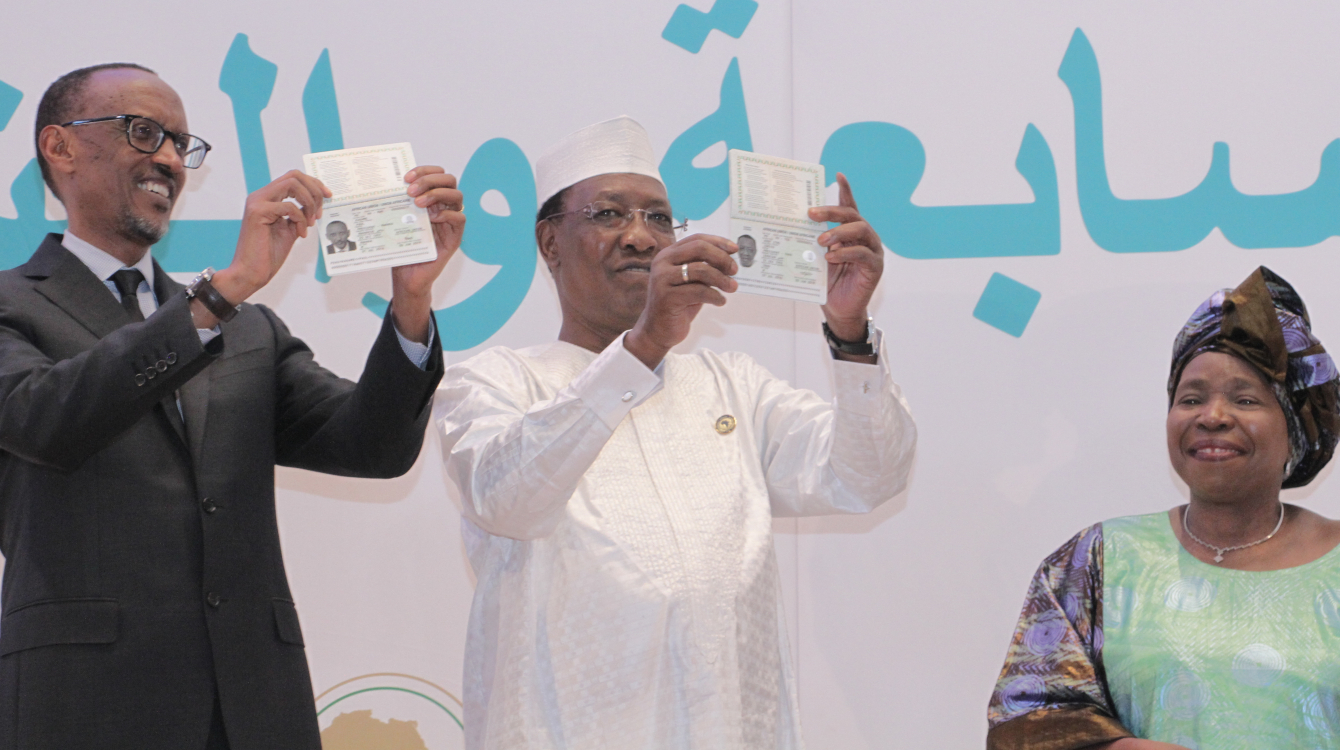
pixel 1219 557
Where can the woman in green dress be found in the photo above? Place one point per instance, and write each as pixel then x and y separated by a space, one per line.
pixel 1215 625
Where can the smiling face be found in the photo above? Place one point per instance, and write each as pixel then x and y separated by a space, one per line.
pixel 602 273
pixel 113 192
pixel 1227 435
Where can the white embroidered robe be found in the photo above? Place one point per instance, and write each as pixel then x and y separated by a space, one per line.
pixel 627 592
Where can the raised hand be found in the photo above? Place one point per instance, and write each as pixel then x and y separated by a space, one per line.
pixel 273 219
pixel 271 223
pixel 684 277
pixel 412 285
pixel 855 263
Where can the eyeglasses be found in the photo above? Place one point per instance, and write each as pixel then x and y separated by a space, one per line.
pixel 616 217
pixel 147 136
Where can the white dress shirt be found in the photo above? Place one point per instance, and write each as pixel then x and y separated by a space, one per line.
pixel 627 590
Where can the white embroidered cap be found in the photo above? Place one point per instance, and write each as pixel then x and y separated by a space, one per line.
pixel 615 146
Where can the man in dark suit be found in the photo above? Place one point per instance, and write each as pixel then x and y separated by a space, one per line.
pixel 145 603
pixel 338 234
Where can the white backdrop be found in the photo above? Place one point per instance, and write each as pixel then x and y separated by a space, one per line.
pixel 899 619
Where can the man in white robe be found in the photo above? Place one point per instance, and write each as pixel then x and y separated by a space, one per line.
pixel 618 499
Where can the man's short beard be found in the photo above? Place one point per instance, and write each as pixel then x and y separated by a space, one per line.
pixel 141 230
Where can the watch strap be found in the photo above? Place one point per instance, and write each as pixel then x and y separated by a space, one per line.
pixel 201 289
pixel 856 348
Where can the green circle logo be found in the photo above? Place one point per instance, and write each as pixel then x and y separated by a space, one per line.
pixel 389 711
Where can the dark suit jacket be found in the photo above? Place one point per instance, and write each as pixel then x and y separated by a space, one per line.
pixel 330 249
pixel 143 572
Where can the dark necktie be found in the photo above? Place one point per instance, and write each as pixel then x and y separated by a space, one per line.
pixel 127 282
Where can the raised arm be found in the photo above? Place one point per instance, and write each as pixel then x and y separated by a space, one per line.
pixel 844 456
pixel 517 456
pixel 372 428
pixel 58 411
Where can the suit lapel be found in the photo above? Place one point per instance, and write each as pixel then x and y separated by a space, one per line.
pixel 194 394
pixel 195 407
pixel 68 283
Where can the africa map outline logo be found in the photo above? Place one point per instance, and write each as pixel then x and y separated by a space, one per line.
pixel 370 715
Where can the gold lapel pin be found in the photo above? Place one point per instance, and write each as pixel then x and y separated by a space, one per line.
pixel 725 424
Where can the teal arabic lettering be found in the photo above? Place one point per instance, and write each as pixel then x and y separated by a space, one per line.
pixel 1297 219
pixel 20 236
pixel 9 103
pixel 191 244
pixel 249 79
pixel 885 163
pixel 321 110
pixel 697 192
pixel 504 241
pixel 688 27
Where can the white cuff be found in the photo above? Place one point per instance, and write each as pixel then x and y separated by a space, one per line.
pixel 857 384
pixel 417 353
pixel 207 334
pixel 614 383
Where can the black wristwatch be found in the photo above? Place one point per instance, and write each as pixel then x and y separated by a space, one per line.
pixel 857 348
pixel 201 289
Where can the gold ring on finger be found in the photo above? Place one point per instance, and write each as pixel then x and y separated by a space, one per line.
pixel 684 272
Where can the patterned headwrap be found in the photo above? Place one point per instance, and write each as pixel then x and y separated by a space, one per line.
pixel 1265 323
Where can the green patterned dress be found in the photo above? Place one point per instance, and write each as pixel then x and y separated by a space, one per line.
pixel 1126 634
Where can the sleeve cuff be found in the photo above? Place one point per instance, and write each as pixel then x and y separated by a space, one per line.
pixel 614 383
pixel 207 334
pixel 417 353
pixel 1059 728
pixel 856 384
